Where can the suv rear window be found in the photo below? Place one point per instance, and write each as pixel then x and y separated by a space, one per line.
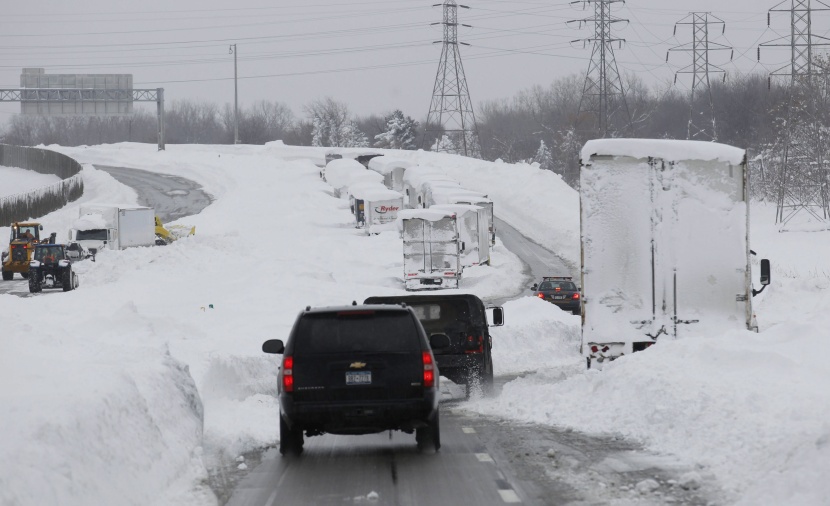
pixel 356 331
pixel 553 285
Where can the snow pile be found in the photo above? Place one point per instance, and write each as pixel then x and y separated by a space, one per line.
pixel 14 180
pixel 90 222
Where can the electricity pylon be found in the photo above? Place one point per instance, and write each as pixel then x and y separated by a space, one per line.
pixel 802 174
pixel 702 122
pixel 603 94
pixel 451 108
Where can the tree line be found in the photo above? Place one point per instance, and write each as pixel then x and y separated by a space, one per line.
pixel 540 124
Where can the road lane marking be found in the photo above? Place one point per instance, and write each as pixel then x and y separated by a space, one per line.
pixel 509 496
pixel 483 457
pixel 468 430
pixel 274 496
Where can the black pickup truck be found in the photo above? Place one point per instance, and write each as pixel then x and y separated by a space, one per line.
pixel 463 317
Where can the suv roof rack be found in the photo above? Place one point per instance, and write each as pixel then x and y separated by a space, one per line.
pixel 553 278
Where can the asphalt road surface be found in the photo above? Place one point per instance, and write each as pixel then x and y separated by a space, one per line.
pixel 172 197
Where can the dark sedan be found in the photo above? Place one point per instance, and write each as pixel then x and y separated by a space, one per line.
pixel 559 290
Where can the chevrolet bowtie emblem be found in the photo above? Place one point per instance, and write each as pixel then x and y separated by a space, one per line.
pixel 358 365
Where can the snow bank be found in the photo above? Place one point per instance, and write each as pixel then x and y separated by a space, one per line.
pixel 14 180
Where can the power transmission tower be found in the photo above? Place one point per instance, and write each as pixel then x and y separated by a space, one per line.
pixel 451 110
pixel 802 175
pixel 702 122
pixel 603 94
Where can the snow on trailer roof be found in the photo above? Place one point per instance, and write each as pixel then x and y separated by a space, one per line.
pixel 338 171
pixel 386 164
pixel 365 176
pixel 92 221
pixel 374 193
pixel 429 214
pixel 417 180
pixel 671 150
pixel 450 195
pixel 420 171
pixel 457 208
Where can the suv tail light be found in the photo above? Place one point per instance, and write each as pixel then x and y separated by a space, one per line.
pixel 288 374
pixel 474 346
pixel 576 296
pixel 541 295
pixel 429 370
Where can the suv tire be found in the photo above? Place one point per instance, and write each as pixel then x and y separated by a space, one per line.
pixel 291 441
pixel 429 436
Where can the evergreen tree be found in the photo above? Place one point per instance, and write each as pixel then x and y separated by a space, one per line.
pixel 544 156
pixel 399 134
pixel 444 145
pixel 352 137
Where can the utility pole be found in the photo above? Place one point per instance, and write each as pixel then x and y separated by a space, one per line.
pixel 603 95
pixel 802 169
pixel 451 110
pixel 232 50
pixel 702 122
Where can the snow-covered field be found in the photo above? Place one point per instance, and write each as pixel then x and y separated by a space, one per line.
pixel 14 180
pixel 114 393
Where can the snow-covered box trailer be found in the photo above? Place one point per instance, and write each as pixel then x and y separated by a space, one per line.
pixel 473 232
pixel 392 170
pixel 113 226
pixel 450 195
pixel 339 171
pixel 376 207
pixel 413 178
pixel 431 249
pixel 665 243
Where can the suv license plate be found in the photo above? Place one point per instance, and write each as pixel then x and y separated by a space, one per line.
pixel 359 378
pixel 558 297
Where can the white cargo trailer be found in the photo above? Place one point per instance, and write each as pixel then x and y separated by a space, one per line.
pixel 113 226
pixel 431 249
pixel 473 232
pixel 376 208
pixel 450 195
pixel 665 243
pixel 392 170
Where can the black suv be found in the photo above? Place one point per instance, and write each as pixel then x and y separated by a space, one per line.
pixel 468 360
pixel 359 369
pixel 561 291
pixel 51 268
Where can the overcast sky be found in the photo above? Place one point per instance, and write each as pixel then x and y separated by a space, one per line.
pixel 375 55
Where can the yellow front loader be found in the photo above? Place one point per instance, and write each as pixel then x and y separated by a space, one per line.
pixel 166 235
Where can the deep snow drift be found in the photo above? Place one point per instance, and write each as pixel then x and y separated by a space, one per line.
pixel 104 388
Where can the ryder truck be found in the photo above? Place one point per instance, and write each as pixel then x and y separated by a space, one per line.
pixel 665 243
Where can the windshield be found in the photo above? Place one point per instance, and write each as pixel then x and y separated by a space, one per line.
pixel 54 254
pixel 92 235
pixel 27 232
pixel 553 285
pixel 357 332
